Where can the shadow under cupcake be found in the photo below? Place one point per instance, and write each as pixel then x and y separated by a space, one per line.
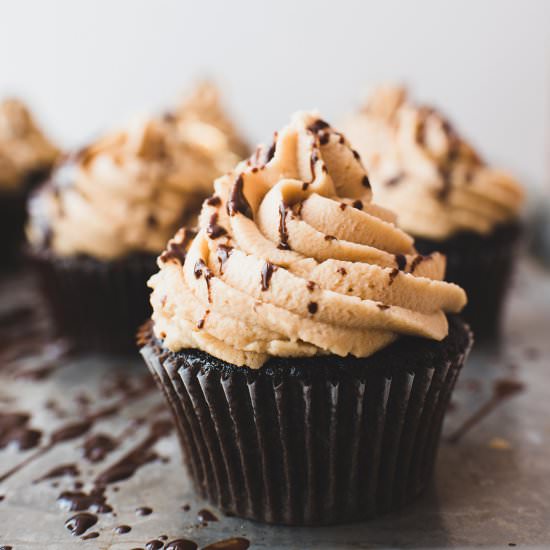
pixel 301 342
pixel 26 158
pixel 445 196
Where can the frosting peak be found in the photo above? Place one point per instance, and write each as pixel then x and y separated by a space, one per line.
pixel 426 172
pixel 292 258
pixel 23 147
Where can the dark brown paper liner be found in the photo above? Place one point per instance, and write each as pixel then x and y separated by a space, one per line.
pixel 13 216
pixel 483 266
pixel 96 305
pixel 307 445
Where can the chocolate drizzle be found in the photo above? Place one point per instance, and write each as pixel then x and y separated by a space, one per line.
pixel 270 153
pixel 401 261
pixel 202 320
pixel 283 232
pixel 342 271
pixel 267 272
pixel 98 446
pixel 357 204
pixel 312 307
pixel 14 429
pixel 214 230
pixel 382 307
pixel 310 286
pixel 393 274
pixel 318 125
pixel 60 471
pixel 237 203
pixel 366 182
pixel 330 238
pixel 80 523
pixel 223 252
pixel 178 250
pixel 76 501
pixel 417 261
pixel 214 200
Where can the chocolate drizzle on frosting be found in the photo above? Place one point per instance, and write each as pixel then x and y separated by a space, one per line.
pixel 267 272
pixel 283 233
pixel 215 230
pixel 237 203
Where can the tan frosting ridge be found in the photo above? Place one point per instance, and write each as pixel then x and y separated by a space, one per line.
pixel 292 258
pixel 131 190
pixel 425 172
pixel 23 146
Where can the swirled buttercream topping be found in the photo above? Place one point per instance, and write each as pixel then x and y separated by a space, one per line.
pixel 23 147
pixel 425 172
pixel 291 258
pixel 131 190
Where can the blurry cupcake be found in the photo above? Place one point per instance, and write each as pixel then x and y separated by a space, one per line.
pixel 445 196
pixel 26 157
pixel 97 226
pixel 300 340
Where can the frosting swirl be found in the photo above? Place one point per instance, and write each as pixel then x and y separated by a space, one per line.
pixel 425 172
pixel 291 258
pixel 23 147
pixel 131 190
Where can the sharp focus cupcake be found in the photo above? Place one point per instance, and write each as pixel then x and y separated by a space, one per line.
pixel 445 196
pixel 26 157
pixel 97 226
pixel 301 341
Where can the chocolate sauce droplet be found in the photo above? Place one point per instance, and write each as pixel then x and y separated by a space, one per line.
pixel 154 545
pixel 393 274
pixel 236 543
pixel 186 507
pixel 267 272
pixel 122 529
pixel 358 204
pixel 205 516
pixel 342 271
pixel 98 446
pixel 382 307
pixel 75 501
pixel 318 125
pixel 330 238
pixel 401 261
pixel 312 307
pixel 310 286
pixel 181 544
pixel 214 230
pixel 237 203
pixel 223 252
pixel 283 232
pixel 60 471
pixel 144 511
pixel 6 547
pixel 80 523
pixel 92 535
pixel 178 250
pixel 366 182
pixel 70 431
pixel 214 200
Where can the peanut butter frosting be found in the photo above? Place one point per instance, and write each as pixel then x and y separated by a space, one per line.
pixel 291 258
pixel 23 146
pixel 131 190
pixel 426 173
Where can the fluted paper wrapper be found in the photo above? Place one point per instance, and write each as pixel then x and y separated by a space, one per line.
pixel 96 306
pixel 483 266
pixel 280 446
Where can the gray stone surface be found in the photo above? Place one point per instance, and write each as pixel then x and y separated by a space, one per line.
pixel 492 488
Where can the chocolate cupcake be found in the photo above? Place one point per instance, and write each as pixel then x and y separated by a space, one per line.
pixel 301 341
pixel 97 226
pixel 445 196
pixel 26 157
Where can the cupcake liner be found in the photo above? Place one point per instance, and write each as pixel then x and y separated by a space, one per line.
pixel 96 306
pixel 483 266
pixel 13 216
pixel 311 444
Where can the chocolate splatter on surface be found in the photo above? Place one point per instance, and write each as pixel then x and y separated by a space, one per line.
pixel 181 544
pixel 70 470
pixel 235 543
pixel 144 511
pixel 98 446
pixel 205 515
pixel 80 523
pixel 122 529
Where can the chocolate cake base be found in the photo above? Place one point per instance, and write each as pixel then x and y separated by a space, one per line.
pixel 483 266
pixel 311 441
pixel 96 305
pixel 13 217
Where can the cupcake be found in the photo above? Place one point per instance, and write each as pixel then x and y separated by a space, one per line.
pixel 97 226
pixel 26 157
pixel 301 342
pixel 445 196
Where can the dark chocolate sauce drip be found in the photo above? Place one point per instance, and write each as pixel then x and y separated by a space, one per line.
pixel 394 180
pixel 178 250
pixel 366 182
pixel 202 320
pixel 154 545
pixel 401 261
pixel 310 286
pixel 80 523
pixel 330 238
pixel 122 529
pixel 214 230
pixel 270 153
pixel 76 501
pixel 92 535
pixel 382 307
pixel 139 456
pixel 343 206
pixel 305 185
pixel 199 270
pixel 144 511
pixel 214 200
pixel 60 471
pixel 181 544
pixel 235 543
pixel 267 272
pixel 393 274
pixel 283 232
pixel 357 204
pixel 237 203
pixel 98 446
pixel 356 155
pixel 417 261
pixel 186 507
pixel 318 125
pixel 223 252
pixel 206 516
pixel 342 271
pixel 503 389
pixel 312 307
pixel 324 138
pixel 14 429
